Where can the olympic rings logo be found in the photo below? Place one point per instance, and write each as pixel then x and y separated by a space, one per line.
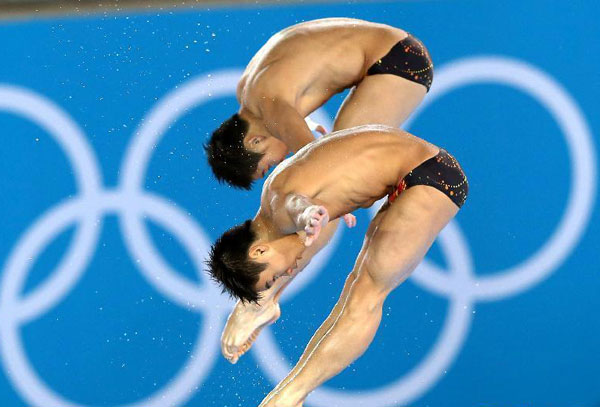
pixel 131 203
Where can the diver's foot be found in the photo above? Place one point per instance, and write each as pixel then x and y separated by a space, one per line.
pixel 243 326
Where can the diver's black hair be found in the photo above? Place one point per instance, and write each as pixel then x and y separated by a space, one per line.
pixel 229 159
pixel 230 266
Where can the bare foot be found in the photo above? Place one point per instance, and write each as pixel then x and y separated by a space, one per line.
pixel 243 326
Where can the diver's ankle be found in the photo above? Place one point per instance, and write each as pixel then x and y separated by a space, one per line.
pixel 283 400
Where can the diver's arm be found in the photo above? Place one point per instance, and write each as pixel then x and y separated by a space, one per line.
pixel 306 215
pixel 285 123
pixel 296 205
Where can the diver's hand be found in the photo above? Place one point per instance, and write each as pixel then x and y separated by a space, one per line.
pixel 314 218
pixel 350 220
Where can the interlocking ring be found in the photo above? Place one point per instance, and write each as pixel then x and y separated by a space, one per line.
pixel 131 203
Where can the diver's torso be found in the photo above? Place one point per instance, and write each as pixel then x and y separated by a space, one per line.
pixel 349 169
pixel 308 63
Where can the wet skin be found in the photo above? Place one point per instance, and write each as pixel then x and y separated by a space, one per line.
pixel 283 84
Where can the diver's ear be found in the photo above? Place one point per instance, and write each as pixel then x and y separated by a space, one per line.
pixel 258 251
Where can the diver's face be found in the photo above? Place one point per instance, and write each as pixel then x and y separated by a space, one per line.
pixel 280 256
pixel 273 150
pixel 272 273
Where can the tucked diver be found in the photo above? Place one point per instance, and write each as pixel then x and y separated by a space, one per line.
pixel 326 179
pixel 302 67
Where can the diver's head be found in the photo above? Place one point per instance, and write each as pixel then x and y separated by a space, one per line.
pixel 244 264
pixel 241 150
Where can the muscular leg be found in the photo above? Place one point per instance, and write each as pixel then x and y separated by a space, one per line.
pixel 379 99
pixel 335 312
pixel 392 250
pixel 364 105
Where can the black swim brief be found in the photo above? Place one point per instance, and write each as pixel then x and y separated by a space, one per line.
pixel 441 172
pixel 408 59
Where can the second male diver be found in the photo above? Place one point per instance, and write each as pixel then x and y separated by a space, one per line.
pixel 302 67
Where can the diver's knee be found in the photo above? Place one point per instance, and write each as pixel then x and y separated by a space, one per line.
pixel 366 295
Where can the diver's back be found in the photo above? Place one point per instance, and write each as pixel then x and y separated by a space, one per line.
pixel 329 53
pixel 352 167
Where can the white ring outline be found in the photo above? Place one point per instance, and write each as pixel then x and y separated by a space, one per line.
pixel 71 140
pixel 87 208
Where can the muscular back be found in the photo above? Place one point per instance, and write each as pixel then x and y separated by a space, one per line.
pixel 305 64
pixel 348 169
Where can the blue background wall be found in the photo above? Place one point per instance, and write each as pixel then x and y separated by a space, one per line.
pixel 113 338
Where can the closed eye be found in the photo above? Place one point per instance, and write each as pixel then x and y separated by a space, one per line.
pixel 267 285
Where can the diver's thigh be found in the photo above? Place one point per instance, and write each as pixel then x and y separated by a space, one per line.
pixel 379 99
pixel 405 233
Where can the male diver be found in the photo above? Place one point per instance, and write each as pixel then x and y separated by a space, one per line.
pixel 302 67
pixel 294 73
pixel 326 179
